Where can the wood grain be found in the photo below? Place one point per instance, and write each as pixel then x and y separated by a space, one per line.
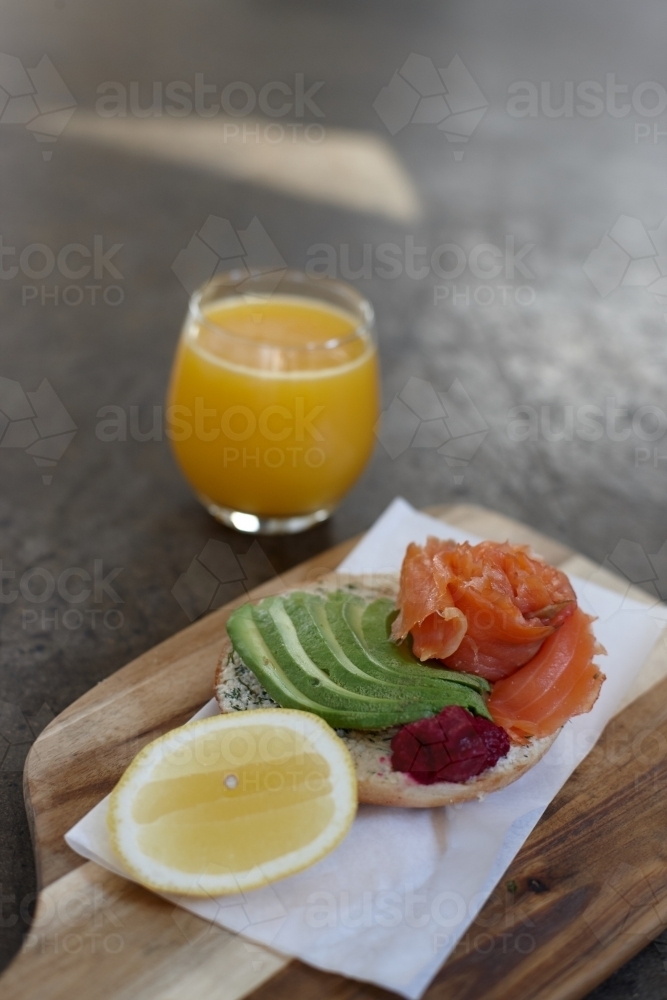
pixel 588 889
pixel 98 936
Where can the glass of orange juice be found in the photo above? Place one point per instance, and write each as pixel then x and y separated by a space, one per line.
pixel 274 398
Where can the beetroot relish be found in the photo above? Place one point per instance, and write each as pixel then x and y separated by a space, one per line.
pixel 452 746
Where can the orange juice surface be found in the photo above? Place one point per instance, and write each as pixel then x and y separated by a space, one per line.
pixel 272 404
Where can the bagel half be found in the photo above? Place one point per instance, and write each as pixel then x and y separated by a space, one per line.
pixel 237 689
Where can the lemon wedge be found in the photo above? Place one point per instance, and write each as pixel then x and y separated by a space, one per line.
pixel 233 802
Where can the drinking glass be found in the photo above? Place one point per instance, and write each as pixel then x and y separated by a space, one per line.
pixel 274 398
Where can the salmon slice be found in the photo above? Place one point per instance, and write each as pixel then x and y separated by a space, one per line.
pixel 439 634
pixel 425 609
pixel 560 681
pixel 484 609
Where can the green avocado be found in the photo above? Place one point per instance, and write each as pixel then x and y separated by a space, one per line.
pixel 334 656
pixel 249 643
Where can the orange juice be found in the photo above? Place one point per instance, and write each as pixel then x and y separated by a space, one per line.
pixel 272 404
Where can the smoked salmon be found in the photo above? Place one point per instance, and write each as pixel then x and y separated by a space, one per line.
pixel 484 609
pixel 560 681
pixel 427 609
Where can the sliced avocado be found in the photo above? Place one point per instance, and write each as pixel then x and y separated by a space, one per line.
pixel 309 653
pixel 381 658
pixel 248 642
pixel 280 635
pixel 308 614
pixel 250 646
pixel 285 642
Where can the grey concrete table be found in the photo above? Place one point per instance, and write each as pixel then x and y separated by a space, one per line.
pixel 522 192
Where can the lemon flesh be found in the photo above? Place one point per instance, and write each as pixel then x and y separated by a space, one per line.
pixel 233 802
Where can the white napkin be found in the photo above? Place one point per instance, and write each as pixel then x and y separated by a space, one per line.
pixel 390 903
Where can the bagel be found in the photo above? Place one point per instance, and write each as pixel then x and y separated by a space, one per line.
pixel 237 689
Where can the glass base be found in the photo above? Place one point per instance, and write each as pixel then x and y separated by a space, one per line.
pixel 257 524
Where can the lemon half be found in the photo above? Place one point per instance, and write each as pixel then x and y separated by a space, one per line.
pixel 233 802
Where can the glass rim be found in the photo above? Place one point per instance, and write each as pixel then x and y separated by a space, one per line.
pixel 364 318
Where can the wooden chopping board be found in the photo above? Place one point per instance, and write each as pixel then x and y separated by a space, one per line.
pixel 587 891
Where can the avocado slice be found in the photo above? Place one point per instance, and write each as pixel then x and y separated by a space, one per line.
pixel 311 654
pixel 374 651
pixel 280 635
pixel 250 646
pixel 343 660
pixel 286 643
pixel 310 621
